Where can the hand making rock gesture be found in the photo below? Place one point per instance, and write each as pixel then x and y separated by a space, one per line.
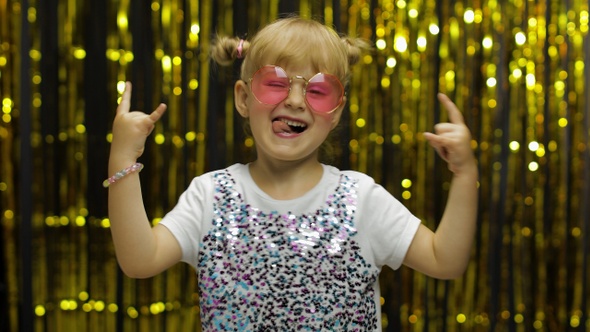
pixel 452 140
pixel 131 129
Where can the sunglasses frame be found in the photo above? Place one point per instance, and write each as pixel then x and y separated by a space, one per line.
pixel 341 97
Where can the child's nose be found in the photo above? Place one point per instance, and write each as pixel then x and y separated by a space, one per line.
pixel 296 97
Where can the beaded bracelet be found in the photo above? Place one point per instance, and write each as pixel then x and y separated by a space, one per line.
pixel 137 167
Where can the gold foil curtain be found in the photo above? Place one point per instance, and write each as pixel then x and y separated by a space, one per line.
pixel 517 69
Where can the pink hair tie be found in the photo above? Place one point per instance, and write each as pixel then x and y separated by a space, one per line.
pixel 240 48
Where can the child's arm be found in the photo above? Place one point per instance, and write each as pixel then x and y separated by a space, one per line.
pixel 445 253
pixel 142 251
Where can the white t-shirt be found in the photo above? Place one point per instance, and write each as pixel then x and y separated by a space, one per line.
pixel 309 263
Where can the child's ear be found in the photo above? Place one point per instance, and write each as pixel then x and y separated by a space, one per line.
pixel 241 98
pixel 337 114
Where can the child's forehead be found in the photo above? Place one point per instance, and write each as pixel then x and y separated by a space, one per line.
pixel 296 68
pixel 298 65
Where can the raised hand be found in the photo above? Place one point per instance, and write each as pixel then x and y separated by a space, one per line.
pixel 452 140
pixel 131 129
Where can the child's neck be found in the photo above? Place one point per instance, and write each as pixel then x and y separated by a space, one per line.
pixel 284 180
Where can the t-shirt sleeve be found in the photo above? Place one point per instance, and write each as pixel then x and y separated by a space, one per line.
pixel 187 219
pixel 390 226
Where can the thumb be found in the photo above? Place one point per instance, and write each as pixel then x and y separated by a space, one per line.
pixel 158 112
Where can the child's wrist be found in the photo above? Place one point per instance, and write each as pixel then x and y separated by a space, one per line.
pixel 468 169
pixel 118 162
pixel 123 172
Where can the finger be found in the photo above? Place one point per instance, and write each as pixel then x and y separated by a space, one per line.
pixel 455 115
pixel 444 127
pixel 437 143
pixel 434 139
pixel 157 113
pixel 125 103
pixel 441 141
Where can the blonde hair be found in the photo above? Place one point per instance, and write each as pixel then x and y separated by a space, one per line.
pixel 292 40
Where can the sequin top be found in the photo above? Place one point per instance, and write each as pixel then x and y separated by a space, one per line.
pixel 295 267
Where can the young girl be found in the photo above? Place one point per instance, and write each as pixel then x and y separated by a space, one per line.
pixel 286 242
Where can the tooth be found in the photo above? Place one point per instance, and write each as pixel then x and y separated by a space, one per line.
pixel 293 123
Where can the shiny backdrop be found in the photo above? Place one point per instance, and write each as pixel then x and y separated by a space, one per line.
pixel 517 68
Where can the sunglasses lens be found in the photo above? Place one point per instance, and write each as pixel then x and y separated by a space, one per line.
pixel 323 93
pixel 270 85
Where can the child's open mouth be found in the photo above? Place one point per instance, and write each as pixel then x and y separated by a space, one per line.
pixel 286 126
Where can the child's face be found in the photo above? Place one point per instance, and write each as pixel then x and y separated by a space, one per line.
pixel 289 130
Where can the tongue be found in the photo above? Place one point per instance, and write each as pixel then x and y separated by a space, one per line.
pixel 279 127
